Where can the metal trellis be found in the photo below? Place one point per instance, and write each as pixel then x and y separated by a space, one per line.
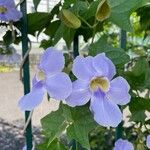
pixel 26 73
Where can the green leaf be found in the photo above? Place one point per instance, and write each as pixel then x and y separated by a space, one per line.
pixel 117 55
pixel 78 121
pixel 92 10
pixel 136 82
pixel 147 78
pixel 54 124
pixel 58 34
pixel 67 3
pixel 46 43
pixel 139 104
pixel 37 21
pixel 140 67
pixel 55 145
pixel 7 38
pixel 66 33
pixel 138 116
pixel 80 8
pixel 52 28
pixel 121 11
pixel 138 76
pixel 82 124
pixel 68 36
pixel 36 3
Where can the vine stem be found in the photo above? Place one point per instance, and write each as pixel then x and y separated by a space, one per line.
pixel 94 30
pixel 21 1
pixel 24 59
pixel 28 121
pixel 85 22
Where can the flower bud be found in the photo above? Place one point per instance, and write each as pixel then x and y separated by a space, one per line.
pixel 103 11
pixel 69 19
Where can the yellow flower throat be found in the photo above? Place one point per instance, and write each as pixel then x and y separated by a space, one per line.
pixel 99 82
pixel 3 9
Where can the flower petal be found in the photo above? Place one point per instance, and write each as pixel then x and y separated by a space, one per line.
pixel 32 99
pixel 52 61
pixel 104 66
pixel 13 14
pixel 35 80
pixel 123 145
pixel 148 141
pixel 8 3
pixel 106 113
pixel 119 91
pixel 82 68
pixel 59 86
pixel 80 94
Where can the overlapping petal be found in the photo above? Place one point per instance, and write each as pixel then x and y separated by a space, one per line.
pixel 35 80
pixel 104 66
pixel 119 91
pixel 82 68
pixel 148 141
pixel 52 61
pixel 123 145
pixel 32 99
pixel 59 86
pixel 106 113
pixel 8 3
pixel 80 94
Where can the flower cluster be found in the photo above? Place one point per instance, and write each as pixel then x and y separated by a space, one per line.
pixel 95 83
pixel 8 11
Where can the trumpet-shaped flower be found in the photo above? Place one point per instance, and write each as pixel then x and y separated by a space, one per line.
pixel 148 141
pixel 8 11
pixel 123 145
pixel 95 83
pixel 57 83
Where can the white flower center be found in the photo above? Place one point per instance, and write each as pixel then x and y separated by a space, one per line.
pixel 99 83
pixel 3 9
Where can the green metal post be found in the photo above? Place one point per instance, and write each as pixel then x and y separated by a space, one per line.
pixel 76 145
pixel 76 46
pixel 123 41
pixel 26 74
pixel 75 54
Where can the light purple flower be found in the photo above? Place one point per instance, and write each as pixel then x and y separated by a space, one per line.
pixel 95 83
pixel 10 59
pixel 57 83
pixel 8 11
pixel 148 141
pixel 123 145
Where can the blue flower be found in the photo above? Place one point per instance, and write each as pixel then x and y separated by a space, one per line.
pixel 57 83
pixel 8 11
pixel 95 83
